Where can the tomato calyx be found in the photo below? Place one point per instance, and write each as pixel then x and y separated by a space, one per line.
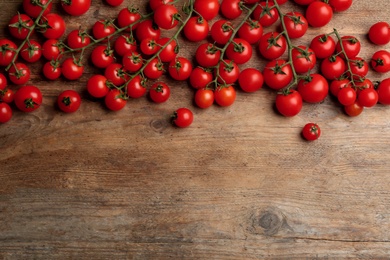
pixel 266 9
pixel 30 103
pixel 273 41
pixel 66 101
pixel 295 18
pixel 238 47
pixel 21 24
pixel 277 69
pixel 304 53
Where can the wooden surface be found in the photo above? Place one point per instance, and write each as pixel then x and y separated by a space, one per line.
pixel 240 183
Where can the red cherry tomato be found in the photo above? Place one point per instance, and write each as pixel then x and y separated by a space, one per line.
pixel 115 100
pixel 76 7
pixel 19 73
pixel 289 103
pixel 182 117
pixel 311 132
pixel 180 68
pixel 7 51
pixel 313 88
pixel 97 86
pixel 72 69
pixel 196 29
pixel 28 98
pixel 204 98
pixel 379 33
pixel 319 14
pixel 323 46
pixel 277 74
pixel 165 16
pixel 250 80
pixel 55 26
pixel 34 8
pixel 69 101
pixel 208 9
pixel 159 92
pixel 5 113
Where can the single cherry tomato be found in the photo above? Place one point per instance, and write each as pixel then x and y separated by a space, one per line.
pixel 182 117
pixel 3 81
pixel 129 17
pixel 296 24
pixel 289 103
pixel 380 61
pixel 19 73
pixel 351 46
pixel 196 29
pixel 180 68
pixel 358 68
pixel 379 33
pixel 323 46
pixel 165 16
pixel 204 98
pixel 250 80
pixel 272 45
pixel 135 88
pixel 149 46
pixel 384 92
pixel 114 3
pixel 311 132
pixel 72 69
pixel 28 98
pixel 221 31
pixel 354 109
pixel 251 31
pixel 102 29
pixel 277 74
pixel 116 74
pixel 132 61
pixel 338 84
pixel 159 92
pixel 227 72
pixel 51 70
pixel 231 9
pixel 207 55
pixel 313 88
pixel 115 100
pixel 69 101
pixel 52 49
pixel 169 52
pixel 368 97
pixel 303 58
pixel 346 96
pixel 102 56
pixel 200 78
pixel 55 26
pixel 78 39
pixel 31 51
pixel 333 67
pixel 7 51
pixel 154 4
pixel 208 9
pixel 266 13
pixel 76 7
pixel 97 86
pixel 340 5
pixel 125 43
pixel 225 95
pixel 7 95
pixel 34 8
pixel 20 25
pixel 154 69
pixel 5 112
pixel 147 29
pixel 319 14
pixel 239 50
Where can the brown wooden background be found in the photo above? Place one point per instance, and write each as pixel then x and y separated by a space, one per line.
pixel 240 183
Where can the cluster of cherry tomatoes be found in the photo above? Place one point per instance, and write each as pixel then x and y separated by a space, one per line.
pixel 133 53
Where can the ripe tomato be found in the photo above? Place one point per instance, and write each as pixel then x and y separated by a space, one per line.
pixel 132 61
pixel 115 100
pixel 19 26
pixel 147 29
pixel 135 88
pixel 319 14
pixel 182 117
pixel 277 74
pixel 333 67
pixel 346 96
pixel 169 52
pixel 208 9
pixel 165 16
pixel 200 78
pixel 266 13
pixel 7 95
pixel 7 51
pixel 353 110
pixel 303 58
pixel 154 69
pixel 289 102
pixel 196 29
pixel 338 84
pixel 304 2
pixel 51 70
pixel 227 72
pixel 311 131
pixel 359 68
pixel 272 45
pixel 231 9
pixel 76 7
pixel 340 5
pixel 78 39
pixel 31 51
pixel 323 46
pixel 148 46
pixel 154 4
pixel 384 92
pixel 251 31
pixel 33 8
pixel 239 50
pixel 296 24
pixel 159 92
pixel 19 73
pixel 52 49
pixel 180 68
pixel 124 43
pixel 55 26
pixel 128 17
pixel 3 81
pixel 5 112
pixel 204 98
pixel 102 56
pixel 116 74
pixel 368 97
pixel 69 101
pixel 250 80
pixel 72 69
pixel 97 86
pixel 114 2
pixel 207 55
pixel 380 61
pixel 225 95
pixel 379 33
pixel 351 46
pixel 221 31
pixel 313 88
pixel 28 98
pixel 363 84
pixel 102 29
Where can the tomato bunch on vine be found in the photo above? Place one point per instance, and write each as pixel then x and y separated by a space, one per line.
pixel 135 50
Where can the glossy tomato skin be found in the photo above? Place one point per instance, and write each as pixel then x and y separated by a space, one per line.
pixel 200 78
pixel 19 73
pixel 76 7
pixel 165 16
pixel 116 74
pixel 304 2
pixel 154 4
pixel 147 29
pixel 251 31
pixel 7 51
pixel 97 86
pixel 272 45
pixel 225 95
pixel 3 81
pixel 351 46
pixel 319 14
pixel 380 61
pixel 221 31
pixel 102 56
pixel 154 69
pixel 51 49
pixel 207 55
pixel 69 101
pixel 5 112
pixel 311 131
pixel 180 68
pixel 196 29
pixel 231 9
pixel 296 24
pixel 346 96
pixel 338 84
pixel 340 5
pixel 304 59
pixel 102 29
pixel 115 100
pixel 148 46
pixel 28 98
pixel 313 88
pixel 32 9
pixel 51 70
pixel 333 67
pixel 182 117
pixel 379 33
pixel 277 74
pixel 239 50
pixel 78 39
pixel 227 72
pixel 170 50
pixel 204 98
pixel 31 51
pixel 135 88
pixel 354 109
pixel 266 13
pixel 56 26
pixel 132 61
pixel 128 17
pixel 208 9
pixel 124 43
pixel 368 97
pixel 159 92
pixel 359 68
pixel 72 69
pixel 289 103
pixel 384 92
pixel 114 3
pixel 250 80
pixel 17 26
pixel 7 95
pixel 323 46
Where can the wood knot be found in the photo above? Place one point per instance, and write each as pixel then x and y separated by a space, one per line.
pixel 268 222
pixel 158 125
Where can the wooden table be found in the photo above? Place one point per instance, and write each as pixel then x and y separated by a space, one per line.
pixel 240 183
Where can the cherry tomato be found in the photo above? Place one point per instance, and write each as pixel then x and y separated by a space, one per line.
pixel 319 14
pixel 28 98
pixel 19 26
pixel 277 74
pixel 304 59
pixel 76 7
pixel 180 68
pixel 289 103
pixel 72 69
pixel 250 80
pixel 3 81
pixel 384 92
pixel 225 95
pixel 227 72
pixel 266 13
pixel 69 101
pixel 353 110
pixel 102 29
pixel 304 2
pixel 272 45
pixel 154 4
pixel 19 73
pixel 148 46
pixel 147 29
pixel 358 67
pixel 311 131
pixel 182 117
pixel 221 31
pixel 196 29
pixel 351 46
pixel 132 61
pixel 129 17
pixel 102 56
pixel 115 100
pixel 169 52
pixel 239 50
pixel 346 96
pixel 55 26
pixel 207 55
pixel 136 87
pixel 323 46
pixel 231 9
pixel 97 86
pixel 114 2
pixel 116 74
pixel 31 51
pixel 204 98
pixel 379 33
pixel 208 9
pixel 313 88
pixel 51 70
pixel 333 67
pixel 338 84
pixel 34 8
pixel 159 92
pixel 296 24
pixel 200 78
pixel 380 61
pixel 340 5
pixel 52 49
pixel 7 51
pixel 78 39
pixel 124 43
pixel 5 112
pixel 154 69
pixel 165 16
pixel 368 97
pixel 251 31
pixel 363 84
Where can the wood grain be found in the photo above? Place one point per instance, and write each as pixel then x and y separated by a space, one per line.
pixel 240 183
